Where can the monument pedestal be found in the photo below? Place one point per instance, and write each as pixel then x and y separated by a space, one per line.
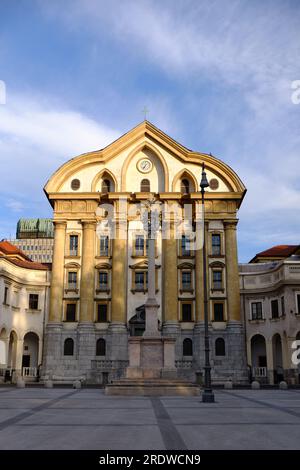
pixel 151 357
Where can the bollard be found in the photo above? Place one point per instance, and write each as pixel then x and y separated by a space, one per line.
pixel 255 385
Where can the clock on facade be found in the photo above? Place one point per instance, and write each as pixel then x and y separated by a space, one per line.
pixel 144 165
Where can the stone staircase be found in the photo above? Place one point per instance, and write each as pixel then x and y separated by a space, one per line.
pixel 152 387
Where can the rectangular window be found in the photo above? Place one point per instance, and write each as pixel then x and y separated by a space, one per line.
pixel 141 280
pixel 104 243
pixel 186 280
pixel 73 245
pixel 33 301
pixel 217 280
pixel 71 312
pixel 282 306
pixel 216 244
pixel 186 312
pixel 72 280
pixel 274 308
pixel 140 246
pixel 218 311
pixel 185 246
pixel 256 311
pixel 5 300
pixel 103 280
pixel 102 313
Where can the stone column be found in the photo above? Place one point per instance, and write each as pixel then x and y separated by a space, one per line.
pixel 57 281
pixel 232 272
pixel 170 281
pixel 87 285
pixel 270 362
pixel 119 280
pixel 118 326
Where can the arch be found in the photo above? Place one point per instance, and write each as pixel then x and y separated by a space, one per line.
pixel 220 349
pixel 187 347
pixel 186 174
pixel 145 185
pixel 298 336
pixel 104 174
pixel 69 347
pixel 72 265
pixel 101 347
pixel 258 351
pixel 30 357
pixel 3 343
pixel 277 358
pixel 12 350
pixel 143 147
pixel 143 131
pixel 105 186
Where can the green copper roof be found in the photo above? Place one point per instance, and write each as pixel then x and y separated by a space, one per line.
pixel 35 228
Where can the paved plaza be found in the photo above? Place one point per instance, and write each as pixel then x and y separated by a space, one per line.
pixel 37 418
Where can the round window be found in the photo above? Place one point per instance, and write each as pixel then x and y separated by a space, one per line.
pixel 214 184
pixel 75 184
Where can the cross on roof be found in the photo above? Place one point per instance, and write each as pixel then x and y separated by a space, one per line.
pixel 145 110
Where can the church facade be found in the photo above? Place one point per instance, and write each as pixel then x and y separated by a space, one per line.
pixel 99 271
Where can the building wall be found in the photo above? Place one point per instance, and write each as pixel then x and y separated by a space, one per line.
pixel 81 211
pixel 264 283
pixel 37 249
pixel 17 320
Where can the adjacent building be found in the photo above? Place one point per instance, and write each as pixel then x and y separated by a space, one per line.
pixel 34 237
pixel 270 302
pixel 24 296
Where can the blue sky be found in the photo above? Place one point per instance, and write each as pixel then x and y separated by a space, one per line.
pixel 215 75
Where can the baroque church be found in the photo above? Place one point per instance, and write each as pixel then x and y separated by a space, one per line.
pixel 99 272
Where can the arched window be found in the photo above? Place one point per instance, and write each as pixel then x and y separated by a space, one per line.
pixel 220 347
pixel 100 347
pixel 145 186
pixel 187 348
pixel 185 186
pixel 105 187
pixel 69 347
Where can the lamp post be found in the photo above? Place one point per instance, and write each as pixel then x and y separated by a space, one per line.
pixel 207 395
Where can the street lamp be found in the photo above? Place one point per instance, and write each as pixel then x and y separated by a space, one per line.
pixel 207 395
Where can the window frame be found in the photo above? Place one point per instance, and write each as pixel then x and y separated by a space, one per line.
pixel 107 304
pixel 214 303
pixel 272 302
pixel 108 251
pixel 70 302
pixel 256 317
pixel 212 245
pixel 223 343
pixel 71 252
pixel 30 300
pixel 143 183
pixel 186 302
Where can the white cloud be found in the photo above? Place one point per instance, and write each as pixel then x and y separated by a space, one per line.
pixel 36 136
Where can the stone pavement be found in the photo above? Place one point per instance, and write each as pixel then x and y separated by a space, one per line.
pixel 37 418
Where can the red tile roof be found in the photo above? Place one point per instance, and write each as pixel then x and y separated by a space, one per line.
pixel 8 248
pixel 278 251
pixel 17 257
